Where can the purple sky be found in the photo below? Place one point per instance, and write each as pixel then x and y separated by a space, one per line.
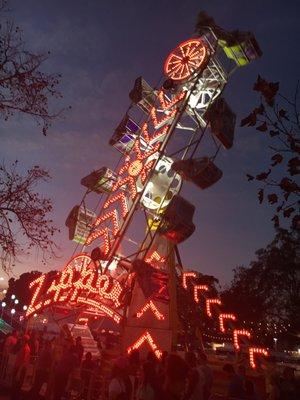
pixel 100 47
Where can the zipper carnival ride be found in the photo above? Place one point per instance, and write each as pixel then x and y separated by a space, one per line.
pixel 136 288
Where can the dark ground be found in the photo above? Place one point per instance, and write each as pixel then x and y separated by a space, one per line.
pixel 4 394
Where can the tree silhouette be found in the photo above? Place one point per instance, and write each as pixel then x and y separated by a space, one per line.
pixel 20 288
pixel 24 221
pixel 266 295
pixel 24 88
pixel 278 117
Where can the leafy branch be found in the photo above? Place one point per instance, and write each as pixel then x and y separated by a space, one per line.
pixel 278 117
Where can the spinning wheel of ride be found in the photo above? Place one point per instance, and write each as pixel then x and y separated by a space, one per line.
pixel 186 59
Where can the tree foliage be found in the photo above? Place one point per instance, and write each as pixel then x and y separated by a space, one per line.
pixel 279 118
pixel 267 293
pixel 20 288
pixel 24 88
pixel 24 221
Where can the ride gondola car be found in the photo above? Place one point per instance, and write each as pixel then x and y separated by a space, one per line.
pixel 222 121
pixel 143 95
pixel 177 221
pixel 201 171
pixel 100 181
pixel 239 46
pixel 79 222
pixel 125 135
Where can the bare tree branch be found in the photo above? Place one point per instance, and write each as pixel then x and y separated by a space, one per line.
pixel 24 221
pixel 24 88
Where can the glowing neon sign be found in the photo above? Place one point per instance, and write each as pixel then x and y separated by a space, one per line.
pixel 197 289
pixel 223 317
pixel 152 307
pixel 209 303
pixel 145 338
pixel 156 257
pixel 188 275
pixel 258 351
pixel 185 276
pixel 79 287
pixel 236 334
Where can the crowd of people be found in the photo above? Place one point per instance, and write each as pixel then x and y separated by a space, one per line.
pixel 172 377
pixel 53 362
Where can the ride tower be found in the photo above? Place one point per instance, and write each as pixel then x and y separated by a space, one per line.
pixel 136 287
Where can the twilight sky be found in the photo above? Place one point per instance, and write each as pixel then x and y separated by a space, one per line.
pixel 100 47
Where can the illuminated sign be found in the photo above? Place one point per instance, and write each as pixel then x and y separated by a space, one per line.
pixel 223 317
pixel 258 351
pixel 197 289
pixel 155 256
pixel 236 334
pixel 149 305
pixel 189 276
pixel 209 303
pixel 185 276
pixel 79 283
pixel 145 338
